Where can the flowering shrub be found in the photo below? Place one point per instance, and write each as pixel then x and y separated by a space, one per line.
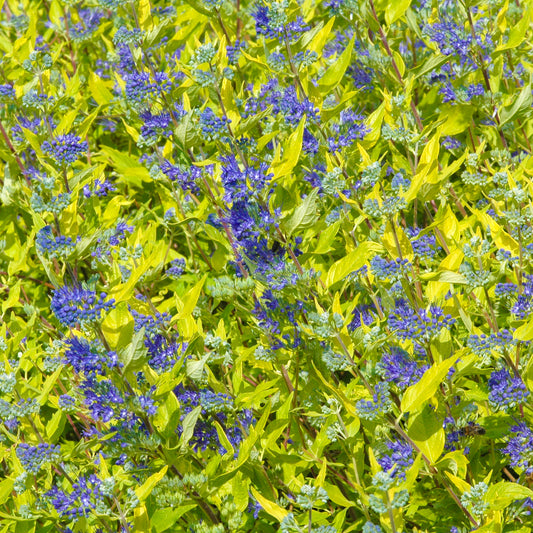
pixel 266 266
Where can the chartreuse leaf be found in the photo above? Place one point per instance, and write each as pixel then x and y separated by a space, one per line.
pixel 291 152
pixel 224 438
pixel 352 262
pixel 273 509
pixel 517 33
pixel 396 10
pixel 6 486
pixel 163 519
pixel 520 104
pixel 13 298
pixel 240 489
pixel 305 215
pixel 428 165
pixel 98 90
pixel 395 238
pixel 524 332
pixel 420 392
pixel 319 40
pixel 141 520
pixel 502 494
pixel 146 488
pixel 188 424
pixel 427 433
pixel 191 298
pixel 335 72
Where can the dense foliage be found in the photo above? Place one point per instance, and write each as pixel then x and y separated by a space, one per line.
pixel 266 266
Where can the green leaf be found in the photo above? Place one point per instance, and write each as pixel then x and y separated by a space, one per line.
pixel 524 332
pixel 134 355
pixel 191 298
pixel 48 385
pixel 427 433
pixel 520 104
pixel 13 298
pixel 188 424
pixel 396 10
pixel 305 215
pixel 146 488
pixel 164 519
pixel 326 239
pixel 335 72
pixel 352 262
pixel 422 391
pixel 55 426
pixel 224 439
pixel 502 494
pixel 291 152
pixel 273 509
pixel 458 118
pixel 517 33
pixel 195 367
pixel 6 486
pixel 9 188
pixel 319 40
pixel 98 90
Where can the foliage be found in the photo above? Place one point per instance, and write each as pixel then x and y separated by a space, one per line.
pixel 266 266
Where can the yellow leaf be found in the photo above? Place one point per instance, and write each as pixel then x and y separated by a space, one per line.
pixel 191 298
pixel 141 520
pixel 273 509
pixel 428 165
pixel 144 15
pixel 146 488
pixel 319 40
pixel 518 32
pixel 462 485
pixel 291 152
pixel 423 390
pixel 13 298
pixel 524 332
pixel 396 10
pixel 335 72
pixel 453 260
pixel 352 262
pixel 389 241
pixel 98 90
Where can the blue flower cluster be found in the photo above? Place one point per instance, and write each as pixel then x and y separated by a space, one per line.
pixel 74 305
pixel 505 390
pixel 85 497
pixel 51 246
pixel 215 407
pixel 419 325
pixel 34 458
pixel 66 148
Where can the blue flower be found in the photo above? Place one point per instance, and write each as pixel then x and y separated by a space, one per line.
pixel 506 391
pixel 520 448
pixel 34 458
pixel 397 366
pixel 74 305
pixel 65 148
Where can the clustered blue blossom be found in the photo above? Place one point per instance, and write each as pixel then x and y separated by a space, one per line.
pixel 506 390
pixel 66 148
pixel 74 305
pixel 86 496
pixel 51 246
pixel 398 367
pixel 520 447
pixel 421 324
pixel 215 407
pixel 34 458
